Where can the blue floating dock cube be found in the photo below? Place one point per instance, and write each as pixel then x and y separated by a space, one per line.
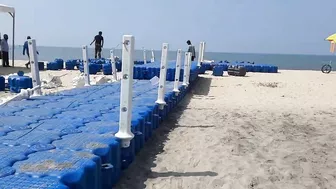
pixel 74 169
pixel 106 146
pixel 218 71
pixel 25 182
pixel 107 69
pixel 70 64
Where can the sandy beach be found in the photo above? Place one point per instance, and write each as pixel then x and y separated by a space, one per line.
pixel 271 131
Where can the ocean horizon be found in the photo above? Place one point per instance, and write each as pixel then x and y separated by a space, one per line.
pixel 283 61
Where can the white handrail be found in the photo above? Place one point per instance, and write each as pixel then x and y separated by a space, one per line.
pixel 153 57
pixel 86 66
pixel 113 64
pixel 177 71
pixel 34 66
pixel 163 74
pixel 126 92
pixel 144 56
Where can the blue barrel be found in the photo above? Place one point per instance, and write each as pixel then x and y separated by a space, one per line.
pixel 107 69
pixel 60 63
pixel 218 71
pixel 265 68
pixel 274 69
pixel 203 69
pixel 93 68
pixel 256 68
pixel 2 83
pixel 16 83
pixel 41 65
pixel 70 64
pixel 52 66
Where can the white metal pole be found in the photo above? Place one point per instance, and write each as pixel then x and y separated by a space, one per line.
pixel 203 50
pixel 34 66
pixel 13 47
pixel 144 56
pixel 163 75
pixel 86 66
pixel 185 68
pixel 188 67
pixel 153 57
pixel 177 71
pixel 200 54
pixel 126 92
pixel 113 63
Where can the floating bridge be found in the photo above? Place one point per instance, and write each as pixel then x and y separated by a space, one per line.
pixel 69 139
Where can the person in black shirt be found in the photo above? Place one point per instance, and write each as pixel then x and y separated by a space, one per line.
pixel 99 43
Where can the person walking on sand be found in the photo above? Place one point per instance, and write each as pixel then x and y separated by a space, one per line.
pixel 4 51
pixel 26 51
pixel 191 49
pixel 99 43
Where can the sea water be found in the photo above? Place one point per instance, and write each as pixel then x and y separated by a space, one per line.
pixel 283 61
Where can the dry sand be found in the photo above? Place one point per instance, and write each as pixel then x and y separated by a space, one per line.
pixel 271 131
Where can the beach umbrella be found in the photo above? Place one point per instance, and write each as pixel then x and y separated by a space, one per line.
pixel 332 40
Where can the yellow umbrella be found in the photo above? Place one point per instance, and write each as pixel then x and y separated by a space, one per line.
pixel 331 38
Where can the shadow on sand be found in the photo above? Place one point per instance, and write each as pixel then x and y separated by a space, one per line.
pixel 203 86
pixel 140 170
pixel 11 70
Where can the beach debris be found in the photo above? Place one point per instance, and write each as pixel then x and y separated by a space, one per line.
pixel 78 81
pixel 268 84
pixel 100 79
pixel 51 82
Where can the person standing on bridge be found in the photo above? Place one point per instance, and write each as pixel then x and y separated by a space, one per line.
pixel 191 49
pixel 99 43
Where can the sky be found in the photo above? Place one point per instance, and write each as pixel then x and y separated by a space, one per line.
pixel 247 26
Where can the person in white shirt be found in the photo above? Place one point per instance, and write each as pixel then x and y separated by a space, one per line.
pixel 192 50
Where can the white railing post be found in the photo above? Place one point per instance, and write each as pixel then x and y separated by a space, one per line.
pixel 200 54
pixel 188 67
pixel 34 66
pixel 126 92
pixel 86 66
pixel 144 56
pixel 185 68
pixel 203 50
pixel 163 75
pixel 153 57
pixel 113 63
pixel 177 71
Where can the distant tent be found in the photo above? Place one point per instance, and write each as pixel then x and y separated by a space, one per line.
pixel 11 11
